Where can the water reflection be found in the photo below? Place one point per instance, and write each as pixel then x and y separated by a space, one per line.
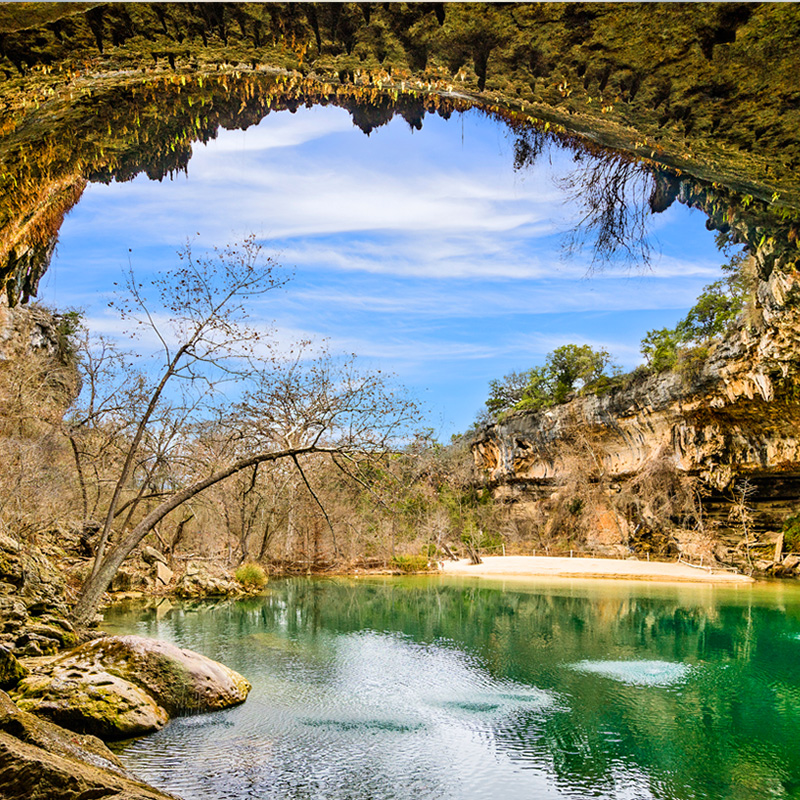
pixel 426 688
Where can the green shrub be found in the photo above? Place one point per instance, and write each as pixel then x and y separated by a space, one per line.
pixel 575 506
pixel 691 361
pixel 251 576
pixel 791 533
pixel 568 368
pixel 407 564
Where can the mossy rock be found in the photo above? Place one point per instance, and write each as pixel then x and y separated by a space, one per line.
pixel 57 633
pixel 42 733
pixel 41 760
pixel 90 701
pixel 118 687
pixel 180 680
pixel 11 671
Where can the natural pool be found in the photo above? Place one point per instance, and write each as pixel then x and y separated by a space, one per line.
pixel 440 688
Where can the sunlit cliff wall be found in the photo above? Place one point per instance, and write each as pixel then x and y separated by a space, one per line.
pixel 736 418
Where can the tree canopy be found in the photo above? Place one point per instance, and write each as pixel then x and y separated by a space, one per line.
pixel 567 369
pixel 718 306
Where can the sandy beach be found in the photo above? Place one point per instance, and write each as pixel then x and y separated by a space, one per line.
pixel 531 566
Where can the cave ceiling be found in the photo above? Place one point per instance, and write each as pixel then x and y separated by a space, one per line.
pixel 705 96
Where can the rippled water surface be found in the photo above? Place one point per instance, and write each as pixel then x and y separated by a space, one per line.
pixel 428 688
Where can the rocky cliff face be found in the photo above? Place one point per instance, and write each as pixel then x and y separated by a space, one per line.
pixel 27 331
pixel 37 382
pixel 733 424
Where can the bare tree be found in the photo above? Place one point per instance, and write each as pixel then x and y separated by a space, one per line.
pixel 205 300
pixel 741 513
pixel 100 427
pixel 289 407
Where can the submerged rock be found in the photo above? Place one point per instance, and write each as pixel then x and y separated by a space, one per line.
pixel 123 686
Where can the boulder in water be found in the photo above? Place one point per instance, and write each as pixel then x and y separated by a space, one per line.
pixel 180 680
pixel 122 686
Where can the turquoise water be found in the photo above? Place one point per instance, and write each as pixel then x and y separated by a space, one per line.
pixel 435 688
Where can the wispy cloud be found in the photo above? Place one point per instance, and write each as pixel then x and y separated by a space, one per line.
pixel 427 255
pixel 292 204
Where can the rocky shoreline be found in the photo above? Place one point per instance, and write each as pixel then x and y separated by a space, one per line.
pixel 41 760
pixel 54 722
pixel 64 691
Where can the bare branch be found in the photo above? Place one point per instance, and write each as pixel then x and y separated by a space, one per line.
pixel 319 503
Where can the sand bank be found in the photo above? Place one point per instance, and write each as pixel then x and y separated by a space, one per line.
pixel 530 566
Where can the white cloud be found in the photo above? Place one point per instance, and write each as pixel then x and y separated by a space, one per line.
pixel 429 259
pixel 260 180
pixel 293 204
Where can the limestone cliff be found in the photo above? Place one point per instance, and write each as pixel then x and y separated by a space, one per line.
pixel 733 423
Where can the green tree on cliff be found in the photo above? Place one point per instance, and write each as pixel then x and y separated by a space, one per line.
pixel 567 369
pixel 717 308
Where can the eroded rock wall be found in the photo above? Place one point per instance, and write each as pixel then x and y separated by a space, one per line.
pixel 707 90
pixel 734 423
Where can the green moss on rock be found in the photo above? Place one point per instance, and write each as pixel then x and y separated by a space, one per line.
pixel 11 671
pixel 90 701
pixel 180 680
pixel 117 687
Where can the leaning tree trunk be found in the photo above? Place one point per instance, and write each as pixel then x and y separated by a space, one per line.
pixel 99 581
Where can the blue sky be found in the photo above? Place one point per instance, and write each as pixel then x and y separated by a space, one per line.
pixel 423 252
